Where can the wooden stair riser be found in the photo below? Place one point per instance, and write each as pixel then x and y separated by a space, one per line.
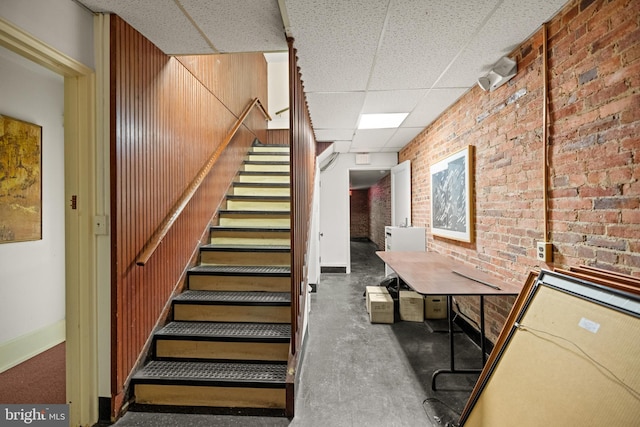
pixel 197 349
pixel 248 237
pixel 260 190
pixel 270 149
pixel 249 167
pixel 275 179
pixel 251 220
pixel 245 258
pixel 271 157
pixel 210 282
pixel 258 205
pixel 231 313
pixel 223 397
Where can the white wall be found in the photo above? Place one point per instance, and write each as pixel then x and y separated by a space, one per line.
pixel 32 277
pixel 32 280
pixel 334 206
pixel 62 24
pixel 278 89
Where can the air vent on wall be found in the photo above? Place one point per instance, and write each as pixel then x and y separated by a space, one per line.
pixel 362 159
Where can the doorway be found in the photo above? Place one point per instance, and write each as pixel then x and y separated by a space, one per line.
pixel 369 205
pixel 79 248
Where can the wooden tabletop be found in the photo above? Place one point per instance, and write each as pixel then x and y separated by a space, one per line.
pixel 430 273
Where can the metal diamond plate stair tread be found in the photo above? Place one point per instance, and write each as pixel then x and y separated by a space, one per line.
pixel 245 248
pixel 263 332
pixel 212 373
pixel 233 270
pixel 234 298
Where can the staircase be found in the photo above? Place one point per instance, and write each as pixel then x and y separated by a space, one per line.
pixel 227 345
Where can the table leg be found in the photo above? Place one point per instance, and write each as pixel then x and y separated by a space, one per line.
pixel 452 369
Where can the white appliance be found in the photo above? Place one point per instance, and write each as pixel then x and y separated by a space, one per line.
pixel 403 239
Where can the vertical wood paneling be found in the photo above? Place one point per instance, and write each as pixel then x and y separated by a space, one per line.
pixel 166 120
pixel 278 136
pixel 303 148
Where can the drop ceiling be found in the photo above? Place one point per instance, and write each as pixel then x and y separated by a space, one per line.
pixel 355 56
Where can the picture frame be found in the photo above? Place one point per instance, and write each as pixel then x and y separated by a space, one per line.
pixel 20 180
pixel 568 341
pixel 452 214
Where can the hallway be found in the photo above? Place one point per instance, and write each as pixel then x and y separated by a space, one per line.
pixel 356 373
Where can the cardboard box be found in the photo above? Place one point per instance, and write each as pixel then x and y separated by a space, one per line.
pixel 411 306
pixel 374 290
pixel 435 307
pixel 381 309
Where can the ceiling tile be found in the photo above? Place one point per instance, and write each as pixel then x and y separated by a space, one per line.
pixel 336 110
pixel 261 25
pixel 392 101
pixel 333 134
pixel 342 146
pixel 403 136
pixel 152 18
pixel 432 105
pixel 510 25
pixel 425 37
pixel 336 41
pixel 370 139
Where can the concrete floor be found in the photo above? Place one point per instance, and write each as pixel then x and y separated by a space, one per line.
pixel 356 373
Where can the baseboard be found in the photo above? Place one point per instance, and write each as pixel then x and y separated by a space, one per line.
pixel 17 350
pixel 333 270
pixel 104 410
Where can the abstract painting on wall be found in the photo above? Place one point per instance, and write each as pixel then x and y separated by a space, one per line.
pixel 451 196
pixel 20 181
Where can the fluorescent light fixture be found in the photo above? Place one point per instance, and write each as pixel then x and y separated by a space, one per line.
pixel 381 121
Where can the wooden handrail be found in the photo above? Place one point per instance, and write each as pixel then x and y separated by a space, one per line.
pixel 153 243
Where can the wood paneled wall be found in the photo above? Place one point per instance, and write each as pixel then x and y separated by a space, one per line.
pixel 278 136
pixel 303 149
pixel 167 116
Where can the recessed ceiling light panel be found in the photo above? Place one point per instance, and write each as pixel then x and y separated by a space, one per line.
pixel 381 121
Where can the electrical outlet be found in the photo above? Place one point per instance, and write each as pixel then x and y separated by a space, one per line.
pixel 544 251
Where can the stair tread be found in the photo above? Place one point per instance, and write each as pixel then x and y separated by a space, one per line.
pixel 237 331
pixel 241 270
pixel 244 297
pixel 163 371
pixel 245 248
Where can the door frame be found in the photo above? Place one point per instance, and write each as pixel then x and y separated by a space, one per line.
pixel 80 242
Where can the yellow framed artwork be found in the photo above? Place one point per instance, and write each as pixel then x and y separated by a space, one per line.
pixel 20 180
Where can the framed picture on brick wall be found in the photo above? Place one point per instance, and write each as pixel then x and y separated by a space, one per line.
pixel 452 196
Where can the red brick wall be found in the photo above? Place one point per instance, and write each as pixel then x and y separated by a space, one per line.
pixel 594 153
pixel 359 220
pixel 380 210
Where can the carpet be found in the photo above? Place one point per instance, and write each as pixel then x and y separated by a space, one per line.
pixel 40 379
